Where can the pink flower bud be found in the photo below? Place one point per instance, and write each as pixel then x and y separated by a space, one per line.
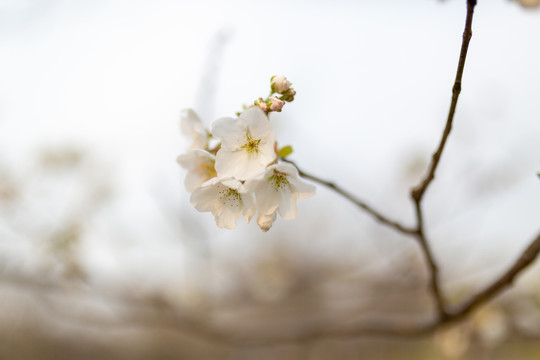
pixel 275 104
pixel 288 95
pixel 280 84
pixel 261 104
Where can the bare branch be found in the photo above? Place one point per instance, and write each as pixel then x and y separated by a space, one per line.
pixel 505 280
pixel 417 193
pixel 419 190
pixel 376 214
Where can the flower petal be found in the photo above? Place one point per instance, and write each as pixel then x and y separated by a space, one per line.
pixel 192 126
pixel 249 206
pixel 234 164
pixel 305 190
pixel 225 218
pixel 268 198
pixel 256 121
pixel 287 207
pixel 203 198
pixel 229 130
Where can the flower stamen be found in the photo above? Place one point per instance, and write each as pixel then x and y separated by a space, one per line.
pixel 230 197
pixel 279 180
pixel 251 145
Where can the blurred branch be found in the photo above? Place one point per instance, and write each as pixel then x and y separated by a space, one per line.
pixel 159 313
pixel 156 311
pixel 376 214
pixel 528 256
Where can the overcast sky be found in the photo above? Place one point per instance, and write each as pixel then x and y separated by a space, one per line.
pixel 373 80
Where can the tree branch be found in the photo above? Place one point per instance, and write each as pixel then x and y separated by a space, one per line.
pixel 376 214
pixel 418 192
pixel 505 280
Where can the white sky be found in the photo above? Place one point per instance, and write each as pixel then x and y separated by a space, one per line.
pixel 373 80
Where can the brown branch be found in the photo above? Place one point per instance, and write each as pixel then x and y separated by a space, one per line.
pixel 418 192
pixel 505 280
pixel 433 269
pixel 376 214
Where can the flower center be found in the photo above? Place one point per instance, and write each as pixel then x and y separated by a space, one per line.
pixel 229 197
pixel 279 180
pixel 206 170
pixel 250 144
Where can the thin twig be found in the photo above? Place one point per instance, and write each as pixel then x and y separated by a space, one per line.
pixel 420 189
pixel 525 259
pixel 418 192
pixel 433 269
pixel 376 214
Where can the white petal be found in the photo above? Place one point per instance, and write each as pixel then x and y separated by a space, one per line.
pixel 231 183
pixel 225 217
pixel 190 123
pixel 268 198
pixel 194 158
pixel 287 207
pixel 231 131
pixel 257 122
pixel 193 181
pixel 267 153
pixel 200 165
pixel 249 206
pixel 233 164
pixel 287 168
pixel 203 198
pixel 302 188
pixel 193 128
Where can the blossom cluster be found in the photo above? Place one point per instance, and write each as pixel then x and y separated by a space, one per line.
pixel 234 169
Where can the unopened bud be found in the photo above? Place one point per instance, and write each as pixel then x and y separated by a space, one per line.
pixel 280 84
pixel 265 221
pixel 289 95
pixel 275 104
pixel 260 103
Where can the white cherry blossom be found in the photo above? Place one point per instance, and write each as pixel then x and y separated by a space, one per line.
pixel 226 199
pixel 247 144
pixel 193 128
pixel 200 165
pixel 278 189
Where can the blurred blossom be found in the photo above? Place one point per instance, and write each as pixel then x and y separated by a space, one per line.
pixel 491 325
pixel 529 3
pixel 200 165
pixel 453 341
pixel 193 128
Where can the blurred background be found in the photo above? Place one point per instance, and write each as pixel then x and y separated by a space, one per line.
pixel 102 255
